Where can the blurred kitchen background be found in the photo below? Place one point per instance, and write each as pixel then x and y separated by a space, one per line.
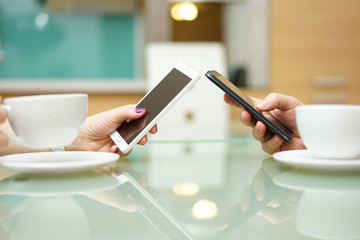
pixel 115 50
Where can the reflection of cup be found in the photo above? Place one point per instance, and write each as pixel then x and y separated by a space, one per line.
pixel 330 205
pixel 46 120
pixel 57 185
pixel 330 131
pixel 50 218
pixel 329 215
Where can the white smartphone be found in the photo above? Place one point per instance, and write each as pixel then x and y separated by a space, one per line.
pixel 156 102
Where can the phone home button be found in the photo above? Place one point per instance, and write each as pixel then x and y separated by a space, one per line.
pixel 118 139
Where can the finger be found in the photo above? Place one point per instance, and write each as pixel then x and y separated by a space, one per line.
pixel 259 132
pixel 2 115
pixel 246 198
pixel 121 114
pixel 143 140
pixel 271 167
pixel 277 215
pixel 4 141
pixel 154 129
pixel 114 149
pixel 259 186
pixel 272 145
pixel 230 101
pixel 247 118
pixel 277 101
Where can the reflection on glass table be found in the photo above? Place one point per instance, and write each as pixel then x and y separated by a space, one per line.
pixel 152 210
pixel 49 209
pixel 44 207
pixel 226 189
pixel 264 198
pixel 330 205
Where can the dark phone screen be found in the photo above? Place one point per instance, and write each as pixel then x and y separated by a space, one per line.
pixel 156 100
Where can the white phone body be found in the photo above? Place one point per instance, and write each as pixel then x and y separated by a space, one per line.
pixel 157 102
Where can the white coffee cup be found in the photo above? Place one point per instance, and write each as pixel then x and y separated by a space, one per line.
pixel 44 121
pixel 330 131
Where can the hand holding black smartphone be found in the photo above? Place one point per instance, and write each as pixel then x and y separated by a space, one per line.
pixel 245 101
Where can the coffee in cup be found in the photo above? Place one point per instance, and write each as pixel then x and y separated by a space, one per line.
pixel 330 130
pixel 44 121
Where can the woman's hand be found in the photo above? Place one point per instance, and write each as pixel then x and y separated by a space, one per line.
pixel 95 134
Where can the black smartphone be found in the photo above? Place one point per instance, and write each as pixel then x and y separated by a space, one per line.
pixel 245 101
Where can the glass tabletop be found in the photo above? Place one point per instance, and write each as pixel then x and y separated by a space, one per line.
pixel 213 189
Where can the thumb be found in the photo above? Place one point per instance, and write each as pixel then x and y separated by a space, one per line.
pixel 277 101
pixel 121 114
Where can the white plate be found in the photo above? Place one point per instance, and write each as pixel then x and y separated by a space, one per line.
pixel 303 159
pixel 57 162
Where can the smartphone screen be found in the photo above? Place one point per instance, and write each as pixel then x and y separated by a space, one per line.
pixel 245 101
pixel 156 102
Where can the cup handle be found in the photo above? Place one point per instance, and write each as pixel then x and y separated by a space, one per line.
pixel 14 139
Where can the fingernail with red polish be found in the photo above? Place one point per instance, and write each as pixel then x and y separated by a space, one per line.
pixel 117 150
pixel 139 110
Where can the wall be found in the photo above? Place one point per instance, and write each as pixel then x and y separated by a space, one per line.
pixel 315 49
pixel 42 44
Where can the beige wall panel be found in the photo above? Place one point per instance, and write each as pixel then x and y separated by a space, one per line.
pixel 315 38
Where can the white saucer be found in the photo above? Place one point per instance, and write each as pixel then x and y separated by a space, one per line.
pixel 303 159
pixel 57 162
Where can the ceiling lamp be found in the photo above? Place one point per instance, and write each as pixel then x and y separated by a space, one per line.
pixel 184 11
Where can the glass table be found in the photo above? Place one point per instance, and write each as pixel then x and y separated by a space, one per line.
pixel 211 189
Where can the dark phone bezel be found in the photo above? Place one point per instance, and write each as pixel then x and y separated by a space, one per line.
pixel 258 115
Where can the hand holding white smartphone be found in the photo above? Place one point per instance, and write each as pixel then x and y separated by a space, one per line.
pixel 157 102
